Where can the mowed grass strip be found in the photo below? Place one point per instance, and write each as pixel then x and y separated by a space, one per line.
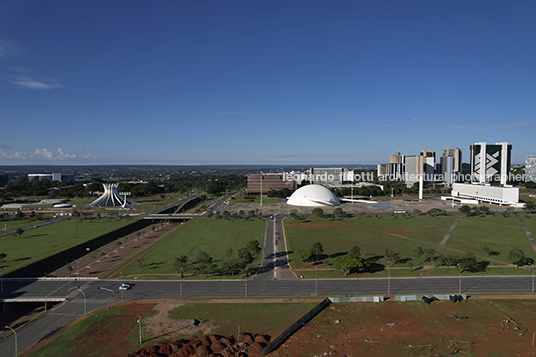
pixel 43 241
pixel 263 318
pixel 499 233
pixel 213 236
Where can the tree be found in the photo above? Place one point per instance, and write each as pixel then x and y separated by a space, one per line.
pixel 204 263
pixel 355 251
pixel 484 209
pixel 338 213
pixel 232 265
pixel 530 206
pixel 392 255
pixel 2 257
pixel 517 257
pixel 465 209
pixel 19 215
pixel 303 254
pixel 254 247
pixel 348 263
pixel 490 251
pixel 294 216
pixel 245 256
pixel 318 212
pixel 19 232
pixel 180 264
pixel 468 263
pixel 75 213
pixel 229 252
pixel 317 249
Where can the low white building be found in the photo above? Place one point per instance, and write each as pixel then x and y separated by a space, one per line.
pixel 487 193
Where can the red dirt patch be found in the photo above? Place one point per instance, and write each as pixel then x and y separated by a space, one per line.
pixel 415 329
pixel 396 230
pixel 114 328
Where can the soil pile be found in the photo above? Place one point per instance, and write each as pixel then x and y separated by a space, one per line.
pixel 245 345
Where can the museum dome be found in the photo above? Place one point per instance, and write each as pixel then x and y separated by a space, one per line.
pixel 313 196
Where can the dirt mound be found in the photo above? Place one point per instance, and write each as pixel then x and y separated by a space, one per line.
pixel 243 345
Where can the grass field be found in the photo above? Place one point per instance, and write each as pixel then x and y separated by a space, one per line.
pixel 42 241
pixel 209 235
pixel 497 232
pixel 488 328
pixel 403 235
pixel 372 234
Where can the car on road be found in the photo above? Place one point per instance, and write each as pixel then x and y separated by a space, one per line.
pixel 125 286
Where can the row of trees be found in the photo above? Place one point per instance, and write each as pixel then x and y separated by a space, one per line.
pixel 352 261
pixel 205 264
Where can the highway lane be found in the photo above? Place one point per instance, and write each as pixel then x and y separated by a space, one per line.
pixel 252 288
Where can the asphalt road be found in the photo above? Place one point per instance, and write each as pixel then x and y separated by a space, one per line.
pixel 251 288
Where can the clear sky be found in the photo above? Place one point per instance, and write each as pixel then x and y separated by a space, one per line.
pixel 263 81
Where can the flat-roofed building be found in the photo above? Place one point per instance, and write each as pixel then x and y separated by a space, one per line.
pixel 487 193
pixel 258 183
pixel 530 168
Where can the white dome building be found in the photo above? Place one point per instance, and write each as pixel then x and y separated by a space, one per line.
pixel 313 196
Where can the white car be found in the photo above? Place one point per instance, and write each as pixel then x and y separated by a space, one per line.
pixel 125 286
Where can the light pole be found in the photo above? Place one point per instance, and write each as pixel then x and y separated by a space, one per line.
pixel 316 281
pixel 246 282
pixel 16 343
pixel 460 280
pixel 532 268
pixel 113 293
pixel 181 285
pixel 388 279
pixel 139 321
pixel 121 278
pixel 78 287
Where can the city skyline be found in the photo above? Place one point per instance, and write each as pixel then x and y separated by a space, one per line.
pixel 278 83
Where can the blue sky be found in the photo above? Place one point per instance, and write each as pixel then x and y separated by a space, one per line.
pixel 263 82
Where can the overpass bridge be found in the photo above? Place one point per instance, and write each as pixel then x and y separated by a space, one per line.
pixel 173 217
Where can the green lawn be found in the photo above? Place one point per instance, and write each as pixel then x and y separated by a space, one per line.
pixel 497 232
pixel 372 234
pixel 19 223
pixel 210 235
pixel 43 241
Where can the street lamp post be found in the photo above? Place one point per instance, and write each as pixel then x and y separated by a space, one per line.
pixel 16 343
pixel 246 282
pixel 532 268
pixel 388 279
pixel 316 281
pixel 181 284
pixel 139 321
pixel 78 287
pixel 113 293
pixel 460 280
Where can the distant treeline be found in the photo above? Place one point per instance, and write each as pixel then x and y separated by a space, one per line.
pixel 69 189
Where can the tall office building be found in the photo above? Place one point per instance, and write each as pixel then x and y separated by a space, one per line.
pixel 530 168
pixel 490 163
pixel 396 158
pixel 457 154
